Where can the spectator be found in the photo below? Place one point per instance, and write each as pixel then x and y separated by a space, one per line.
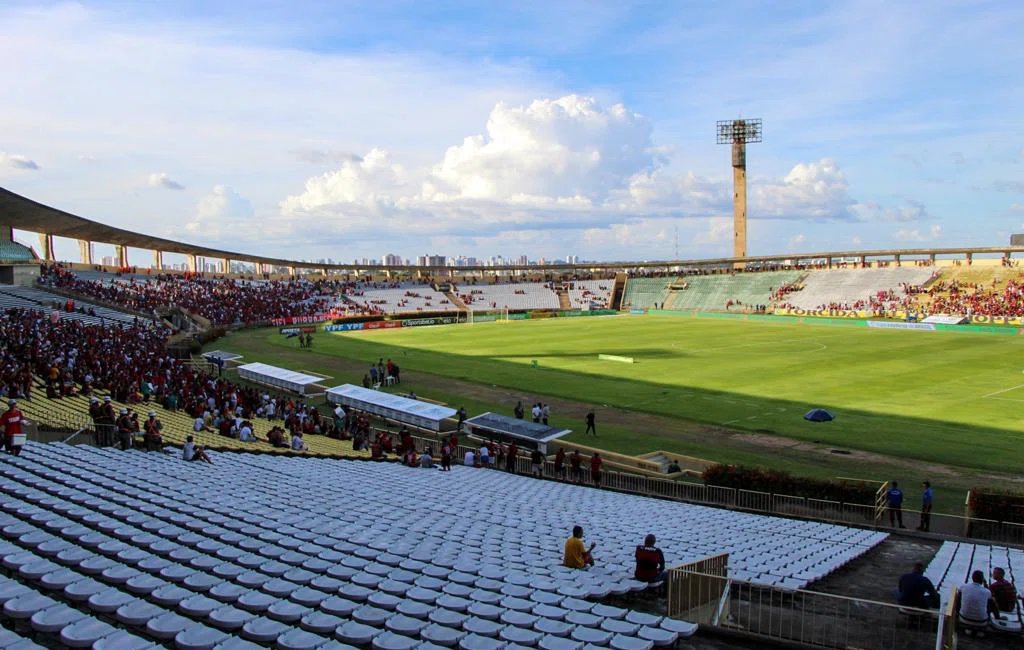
pixel 674 467
pixel 595 468
pixel 926 507
pixel 446 458
pixel 484 455
pixel 650 561
pixel 536 412
pixel 894 502
pixel 545 413
pixel 916 590
pixel 297 444
pixel 426 460
pixel 462 416
pixel 975 603
pixel 591 429
pixel 576 555
pixel 188 450
pixel 510 460
pixel 560 464
pixel 11 422
pixel 1003 592
pixel 469 460
pixel 152 433
pixel 518 410
pixel 537 461
pixel 576 465
pixel 125 430
pixel 201 456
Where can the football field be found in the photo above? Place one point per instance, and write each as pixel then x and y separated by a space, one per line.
pixel 951 398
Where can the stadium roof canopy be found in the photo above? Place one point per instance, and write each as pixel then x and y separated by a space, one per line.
pixel 278 377
pixel 406 410
pixel 22 213
pixel 503 427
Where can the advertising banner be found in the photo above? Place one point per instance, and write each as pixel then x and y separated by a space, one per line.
pixel 826 313
pixel 305 329
pixel 382 325
pixel 980 319
pixel 295 320
pixel 343 327
pixel 423 322
pixel 892 325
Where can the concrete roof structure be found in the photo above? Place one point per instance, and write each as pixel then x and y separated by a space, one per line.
pixel 23 213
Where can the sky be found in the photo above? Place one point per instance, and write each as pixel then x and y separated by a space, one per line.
pixel 353 129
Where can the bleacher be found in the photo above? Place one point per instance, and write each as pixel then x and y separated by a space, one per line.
pixel 115 550
pixel 25 297
pixel 850 286
pixel 72 413
pixel 396 301
pixel 713 292
pixel 646 293
pixel 587 294
pixel 955 561
pixel 526 295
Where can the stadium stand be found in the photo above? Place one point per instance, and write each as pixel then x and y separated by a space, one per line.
pixel 404 298
pixel 646 293
pixel 525 295
pixel 198 555
pixel 955 561
pixel 31 298
pixel 722 291
pixel 857 288
pixel 222 302
pixel 590 294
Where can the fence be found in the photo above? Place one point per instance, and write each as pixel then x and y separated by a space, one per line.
pixel 796 617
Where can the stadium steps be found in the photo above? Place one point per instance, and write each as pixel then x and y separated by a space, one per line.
pixel 646 293
pixel 72 413
pixel 712 292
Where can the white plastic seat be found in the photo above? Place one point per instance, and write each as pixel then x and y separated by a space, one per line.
pixel 519 636
pixel 485 611
pixel 227 592
pixel 263 630
pixel 106 602
pixel 382 600
pixel 122 640
pixel 370 615
pixel 85 632
pixel 590 635
pixel 477 642
pixel 198 637
pixel 447 617
pixel 198 606
pixel 552 627
pixel 683 628
pixel 339 606
pixel 392 641
pixel 621 642
pixel 550 642
pixel 356 633
pixel 54 619
pixel 229 618
pixel 299 640
pixel 169 595
pixel 287 611
pixel 137 612
pixel 256 601
pixel 414 608
pixel 657 635
pixel 321 623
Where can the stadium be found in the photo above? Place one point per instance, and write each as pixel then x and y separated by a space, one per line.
pixel 461 326
pixel 670 398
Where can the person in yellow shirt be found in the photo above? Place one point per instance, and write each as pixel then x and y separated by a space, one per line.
pixel 577 556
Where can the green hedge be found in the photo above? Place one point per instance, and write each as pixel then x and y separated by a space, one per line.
pixel 1000 505
pixel 776 482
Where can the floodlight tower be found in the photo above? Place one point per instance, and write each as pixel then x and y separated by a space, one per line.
pixel 738 133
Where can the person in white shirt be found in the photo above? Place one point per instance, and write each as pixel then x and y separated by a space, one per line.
pixel 484 453
pixel 198 425
pixel 245 434
pixel 188 452
pixel 297 444
pixel 975 601
pixel 470 459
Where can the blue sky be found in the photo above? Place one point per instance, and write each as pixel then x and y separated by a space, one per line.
pixel 352 129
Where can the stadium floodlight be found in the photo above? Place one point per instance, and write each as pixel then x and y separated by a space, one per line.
pixel 738 133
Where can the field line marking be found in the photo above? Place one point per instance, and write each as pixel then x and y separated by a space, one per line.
pixel 1007 399
pixel 1005 390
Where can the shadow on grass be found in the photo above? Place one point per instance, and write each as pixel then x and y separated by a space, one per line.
pixel 953 443
pixel 633 354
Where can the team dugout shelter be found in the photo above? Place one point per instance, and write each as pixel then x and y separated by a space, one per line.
pixel 296 382
pixel 397 408
pixel 504 429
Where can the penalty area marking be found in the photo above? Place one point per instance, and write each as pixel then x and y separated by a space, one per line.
pixel 615 357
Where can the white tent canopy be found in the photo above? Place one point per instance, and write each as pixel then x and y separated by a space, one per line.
pixel 424 415
pixel 278 377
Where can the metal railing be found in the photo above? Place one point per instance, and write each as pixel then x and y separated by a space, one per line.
pixel 798 617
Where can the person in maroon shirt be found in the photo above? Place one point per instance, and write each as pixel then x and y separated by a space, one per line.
pixel 595 468
pixel 1003 591
pixel 510 460
pixel 650 561
pixel 560 464
pixel 575 463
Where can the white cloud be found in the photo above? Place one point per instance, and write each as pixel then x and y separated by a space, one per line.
pixel 222 210
pixel 161 179
pixel 17 161
pixel 905 234
pixel 935 231
pixel 856 240
pixel 797 240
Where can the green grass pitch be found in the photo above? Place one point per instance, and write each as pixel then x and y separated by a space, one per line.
pixel 948 398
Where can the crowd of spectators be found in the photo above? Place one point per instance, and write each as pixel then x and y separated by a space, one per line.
pixel 221 301
pixel 968 298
